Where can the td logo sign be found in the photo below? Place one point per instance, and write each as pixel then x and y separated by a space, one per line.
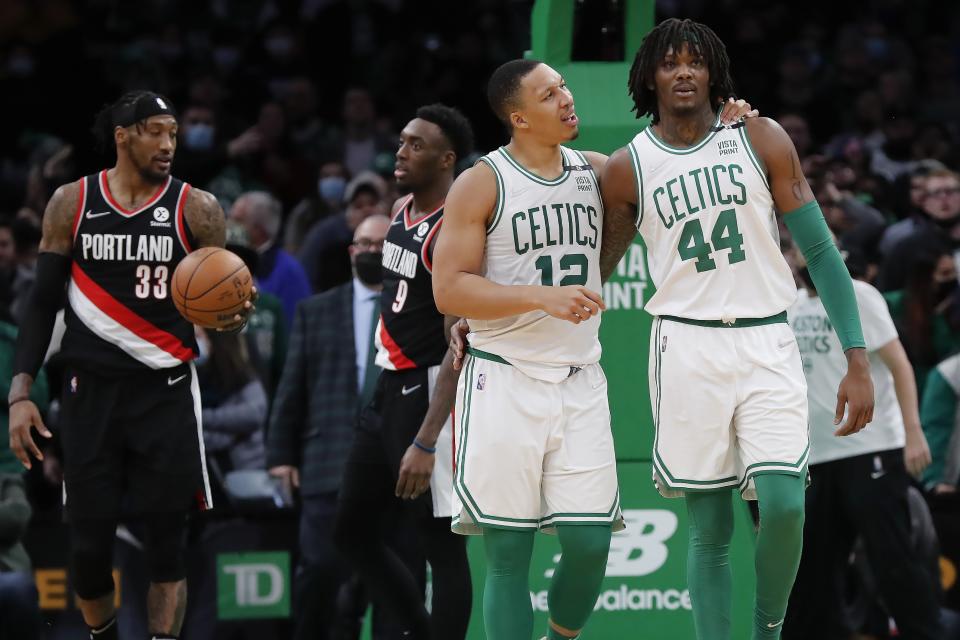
pixel 253 585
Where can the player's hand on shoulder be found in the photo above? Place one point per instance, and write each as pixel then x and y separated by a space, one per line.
pixel 735 110
pixel 23 415
pixel 573 303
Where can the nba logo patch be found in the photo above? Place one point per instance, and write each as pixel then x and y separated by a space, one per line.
pixel 73 384
pixel 481 381
pixel 663 345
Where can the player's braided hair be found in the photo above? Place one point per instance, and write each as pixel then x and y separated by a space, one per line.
pixel 454 126
pixel 103 124
pixel 673 33
pixel 504 84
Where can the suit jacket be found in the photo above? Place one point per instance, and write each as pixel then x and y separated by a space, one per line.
pixel 315 408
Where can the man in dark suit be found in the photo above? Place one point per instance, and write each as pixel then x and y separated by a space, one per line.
pixel 329 374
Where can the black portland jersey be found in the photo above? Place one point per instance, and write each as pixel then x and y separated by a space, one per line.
pixel 119 313
pixel 411 329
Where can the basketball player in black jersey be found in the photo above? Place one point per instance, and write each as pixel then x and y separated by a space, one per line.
pixel 401 434
pixel 130 422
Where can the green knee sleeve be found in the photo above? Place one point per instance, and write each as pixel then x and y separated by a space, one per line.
pixel 710 514
pixel 576 582
pixel 507 612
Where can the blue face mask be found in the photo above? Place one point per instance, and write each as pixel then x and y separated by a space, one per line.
pixel 331 189
pixel 199 137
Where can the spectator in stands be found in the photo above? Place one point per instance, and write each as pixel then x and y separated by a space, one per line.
pixel 938 414
pixel 909 191
pixel 266 332
pixel 202 151
pixel 19 614
pixel 328 373
pixel 360 141
pixel 324 252
pixel 277 272
pixel 925 310
pixel 325 201
pixel 859 483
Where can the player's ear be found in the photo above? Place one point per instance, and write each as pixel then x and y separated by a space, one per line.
pixel 449 159
pixel 518 121
pixel 120 135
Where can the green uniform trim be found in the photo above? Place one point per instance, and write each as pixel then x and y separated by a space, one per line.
pixel 492 357
pixel 500 194
pixel 638 174
pixel 739 323
pixel 683 151
pixel 538 179
pixel 480 519
pixel 828 272
pixel 752 154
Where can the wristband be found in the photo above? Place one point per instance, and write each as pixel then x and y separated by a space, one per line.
pixel 423 448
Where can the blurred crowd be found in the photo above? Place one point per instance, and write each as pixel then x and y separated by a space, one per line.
pixel 290 111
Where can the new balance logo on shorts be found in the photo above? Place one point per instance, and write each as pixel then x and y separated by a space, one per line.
pixel 481 381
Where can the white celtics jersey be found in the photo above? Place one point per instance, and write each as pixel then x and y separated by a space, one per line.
pixel 544 232
pixel 707 217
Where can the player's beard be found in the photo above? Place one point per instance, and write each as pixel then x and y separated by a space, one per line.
pixel 150 175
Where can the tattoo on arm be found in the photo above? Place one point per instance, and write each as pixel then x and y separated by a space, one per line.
pixel 205 218
pixel 618 233
pixel 58 220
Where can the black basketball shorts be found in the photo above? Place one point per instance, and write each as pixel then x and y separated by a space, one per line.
pixel 132 443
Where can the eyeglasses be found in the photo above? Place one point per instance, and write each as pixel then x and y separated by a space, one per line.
pixel 366 244
pixel 939 193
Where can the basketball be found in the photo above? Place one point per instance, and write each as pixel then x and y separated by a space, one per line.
pixel 210 287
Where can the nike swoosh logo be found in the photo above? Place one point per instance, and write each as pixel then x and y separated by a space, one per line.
pixel 407 392
pixel 774 625
pixel 173 381
pixel 91 215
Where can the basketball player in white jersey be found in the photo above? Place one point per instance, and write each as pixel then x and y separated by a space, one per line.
pixel 726 381
pixel 519 258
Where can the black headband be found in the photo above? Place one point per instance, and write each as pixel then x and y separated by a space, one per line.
pixel 149 104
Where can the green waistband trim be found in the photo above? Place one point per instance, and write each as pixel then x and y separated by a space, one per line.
pixel 739 323
pixel 492 357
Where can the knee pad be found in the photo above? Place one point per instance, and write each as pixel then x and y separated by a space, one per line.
pixel 165 542
pixel 91 557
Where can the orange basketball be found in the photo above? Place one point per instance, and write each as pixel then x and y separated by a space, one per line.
pixel 210 286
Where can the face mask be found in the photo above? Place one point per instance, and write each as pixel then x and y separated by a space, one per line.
pixel 199 137
pixel 941 290
pixel 946 223
pixel 369 268
pixel 331 189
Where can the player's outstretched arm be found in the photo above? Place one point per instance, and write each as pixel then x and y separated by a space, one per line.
pixel 458 287
pixel 208 224
pixel 618 186
pixel 916 451
pixel 45 298
pixel 794 200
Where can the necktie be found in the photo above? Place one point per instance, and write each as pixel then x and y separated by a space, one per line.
pixel 372 371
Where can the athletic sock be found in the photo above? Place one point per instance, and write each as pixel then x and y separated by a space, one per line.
pixel 710 514
pixel 507 612
pixel 779 543
pixel 106 631
pixel 577 580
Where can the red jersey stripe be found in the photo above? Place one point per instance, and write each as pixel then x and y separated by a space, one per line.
pixel 78 216
pixel 181 226
pixel 130 320
pixel 396 356
pixel 425 251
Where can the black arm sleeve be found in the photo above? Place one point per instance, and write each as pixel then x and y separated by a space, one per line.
pixel 45 299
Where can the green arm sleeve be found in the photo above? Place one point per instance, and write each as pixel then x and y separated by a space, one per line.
pixel 938 410
pixel 829 274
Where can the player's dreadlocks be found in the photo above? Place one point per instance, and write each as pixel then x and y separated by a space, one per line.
pixel 673 33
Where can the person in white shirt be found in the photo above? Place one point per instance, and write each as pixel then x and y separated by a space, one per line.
pixel 859 483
